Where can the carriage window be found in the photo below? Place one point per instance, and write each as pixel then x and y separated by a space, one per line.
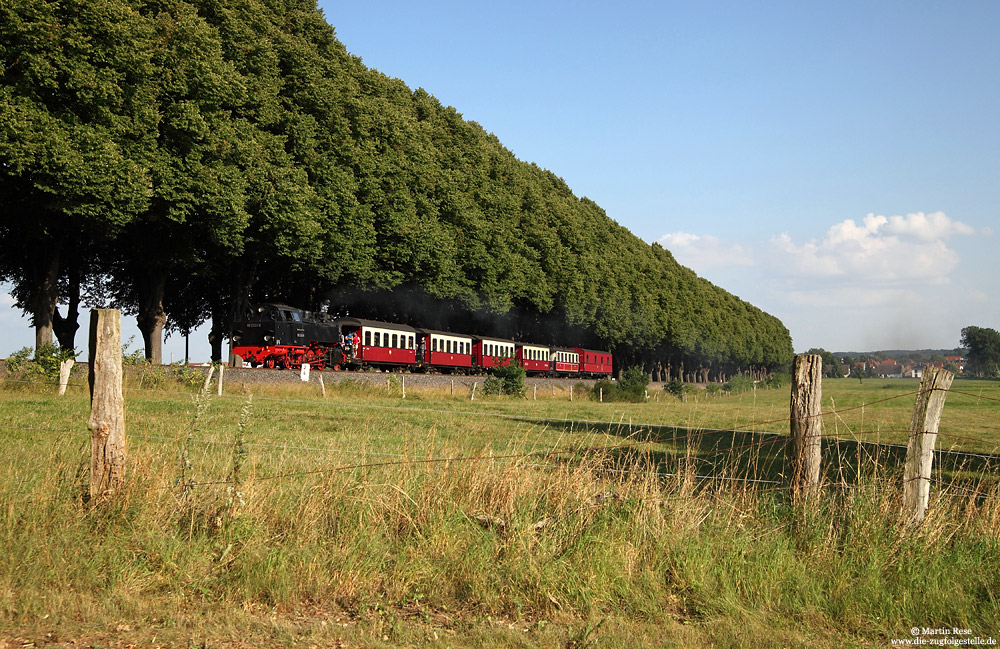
pixel 395 340
pixel 295 316
pixel 378 339
pixel 368 339
pixel 411 343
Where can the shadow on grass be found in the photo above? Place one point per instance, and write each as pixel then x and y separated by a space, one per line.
pixel 761 458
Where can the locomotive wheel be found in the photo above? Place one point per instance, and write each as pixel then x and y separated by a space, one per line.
pixel 269 363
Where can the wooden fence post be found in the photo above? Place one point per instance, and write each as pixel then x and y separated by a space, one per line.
pixel 322 386
pixel 208 379
pixel 806 425
pixel 107 405
pixel 534 392
pixel 65 367
pixel 927 410
pixel 473 391
pixel 571 393
pixel 221 369
pixel 402 385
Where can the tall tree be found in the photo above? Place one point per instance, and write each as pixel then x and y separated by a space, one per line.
pixel 983 345
pixel 73 109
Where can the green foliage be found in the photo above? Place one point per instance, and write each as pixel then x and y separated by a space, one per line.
pixel 777 380
pixel 199 152
pixel 675 387
pixel 631 387
pixel 42 363
pixel 739 384
pixel 507 380
pixel 984 351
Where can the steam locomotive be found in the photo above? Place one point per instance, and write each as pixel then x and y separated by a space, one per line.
pixel 279 336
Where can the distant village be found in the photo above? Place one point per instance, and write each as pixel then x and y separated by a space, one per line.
pixel 893 368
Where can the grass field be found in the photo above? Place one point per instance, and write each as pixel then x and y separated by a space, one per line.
pixel 363 519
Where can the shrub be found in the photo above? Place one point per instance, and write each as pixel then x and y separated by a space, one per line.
pixel 45 363
pixel 675 387
pixel 778 379
pixel 739 384
pixel 632 387
pixel 507 379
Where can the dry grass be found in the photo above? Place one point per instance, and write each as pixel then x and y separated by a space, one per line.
pixel 379 526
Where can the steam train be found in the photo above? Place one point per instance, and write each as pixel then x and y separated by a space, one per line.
pixel 280 336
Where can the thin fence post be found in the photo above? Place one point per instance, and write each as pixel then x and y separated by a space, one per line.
pixel 534 392
pixel 806 425
pixel 65 368
pixel 221 370
pixel 322 386
pixel 602 395
pixel 107 404
pixel 927 409
pixel 473 391
pixel 571 393
pixel 402 385
pixel 208 379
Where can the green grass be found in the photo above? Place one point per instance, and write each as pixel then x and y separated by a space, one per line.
pixel 437 521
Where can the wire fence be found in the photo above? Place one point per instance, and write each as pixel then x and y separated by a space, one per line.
pixel 633 431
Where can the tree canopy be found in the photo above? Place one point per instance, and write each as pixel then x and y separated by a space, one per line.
pixel 983 355
pixel 178 158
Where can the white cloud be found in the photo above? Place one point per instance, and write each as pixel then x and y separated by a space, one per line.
pixel 876 282
pixel 880 251
pixel 702 252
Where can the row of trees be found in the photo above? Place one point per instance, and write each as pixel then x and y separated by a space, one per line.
pixel 179 159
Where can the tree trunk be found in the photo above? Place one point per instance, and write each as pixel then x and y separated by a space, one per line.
pixel 217 333
pixel 44 297
pixel 65 328
pixel 152 316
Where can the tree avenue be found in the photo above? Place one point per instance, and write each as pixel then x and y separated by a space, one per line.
pixel 180 159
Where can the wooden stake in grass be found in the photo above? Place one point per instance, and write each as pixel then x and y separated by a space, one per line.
pixel 806 425
pixel 65 368
pixel 208 379
pixel 927 410
pixel 473 391
pixel 221 369
pixel 107 405
pixel 322 386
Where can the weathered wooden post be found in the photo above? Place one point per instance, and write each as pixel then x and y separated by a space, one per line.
pixel 65 367
pixel 571 393
pixel 402 385
pixel 806 425
pixel 322 386
pixel 534 392
pixel 107 405
pixel 208 379
pixel 602 395
pixel 473 391
pixel 221 369
pixel 927 410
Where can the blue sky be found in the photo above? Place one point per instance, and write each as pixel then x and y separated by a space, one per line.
pixel 836 164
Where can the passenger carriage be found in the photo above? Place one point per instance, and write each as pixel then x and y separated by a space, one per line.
pixel 594 363
pixel 445 351
pixel 381 343
pixel 535 359
pixel 493 352
pixel 564 361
